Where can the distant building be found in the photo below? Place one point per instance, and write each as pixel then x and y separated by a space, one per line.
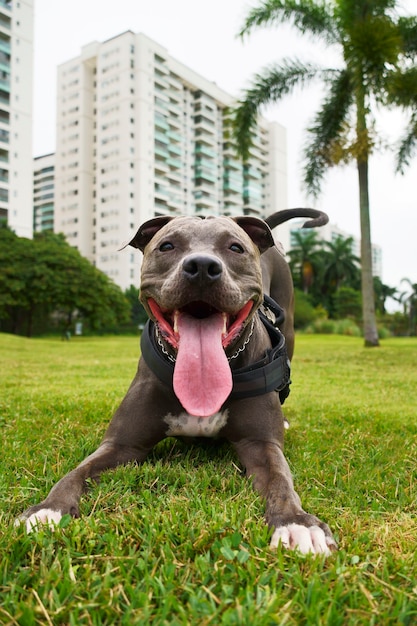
pixel 43 193
pixel 330 232
pixel 140 134
pixel 16 83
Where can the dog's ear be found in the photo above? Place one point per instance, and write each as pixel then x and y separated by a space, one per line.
pixel 258 231
pixel 147 231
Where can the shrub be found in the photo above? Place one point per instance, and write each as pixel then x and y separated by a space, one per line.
pixel 347 302
pixel 397 323
pixel 334 327
pixel 383 332
pixel 322 327
pixel 305 313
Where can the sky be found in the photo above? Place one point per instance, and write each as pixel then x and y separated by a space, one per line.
pixel 203 36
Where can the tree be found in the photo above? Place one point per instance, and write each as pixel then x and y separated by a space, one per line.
pixel 46 275
pixel 377 47
pixel 305 258
pixel 341 272
pixel 341 265
pixel 138 314
pixel 410 304
pixel 347 303
pixel 382 293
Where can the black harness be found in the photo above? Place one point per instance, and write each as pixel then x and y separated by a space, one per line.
pixel 271 373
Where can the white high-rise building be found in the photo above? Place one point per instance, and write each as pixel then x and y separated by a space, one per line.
pixel 16 82
pixel 140 134
pixel 43 192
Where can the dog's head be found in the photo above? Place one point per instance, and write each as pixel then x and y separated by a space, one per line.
pixel 201 283
pixel 202 267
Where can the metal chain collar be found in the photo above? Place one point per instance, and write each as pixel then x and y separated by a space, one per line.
pixel 171 358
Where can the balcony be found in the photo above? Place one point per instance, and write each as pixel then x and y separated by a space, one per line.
pixel 175 83
pixel 4 135
pixel 251 172
pixel 233 186
pixel 233 202
pixel 229 150
pixel 160 66
pixel 232 164
pixel 161 152
pixel 174 163
pixel 202 176
pixel 161 138
pixel 204 137
pixel 174 176
pixel 174 149
pixel 175 122
pixel 161 193
pixel 202 149
pixel 172 134
pixel 4 97
pixel 161 105
pixel 160 82
pixel 5 85
pixel 160 167
pixel 160 121
pixel 176 201
pixel 202 123
pixel 204 200
pixel 204 186
pixel 5 21
pixel 6 4
pixel 161 208
pixel 174 108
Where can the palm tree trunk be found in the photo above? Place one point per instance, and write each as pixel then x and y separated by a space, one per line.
pixel 370 331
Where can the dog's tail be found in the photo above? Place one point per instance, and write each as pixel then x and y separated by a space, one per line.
pixel 319 217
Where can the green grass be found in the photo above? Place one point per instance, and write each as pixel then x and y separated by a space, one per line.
pixel 181 539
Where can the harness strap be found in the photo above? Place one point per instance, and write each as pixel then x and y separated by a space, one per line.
pixel 271 373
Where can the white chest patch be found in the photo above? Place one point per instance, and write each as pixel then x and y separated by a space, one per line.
pixel 186 425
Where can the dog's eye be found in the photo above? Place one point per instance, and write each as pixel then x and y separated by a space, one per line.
pixel 236 247
pixel 167 245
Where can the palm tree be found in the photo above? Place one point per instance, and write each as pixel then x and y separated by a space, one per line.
pixel 341 265
pixel 410 304
pixel 377 47
pixel 305 258
pixel 382 293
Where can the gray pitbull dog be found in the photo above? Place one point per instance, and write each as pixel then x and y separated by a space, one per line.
pixel 213 363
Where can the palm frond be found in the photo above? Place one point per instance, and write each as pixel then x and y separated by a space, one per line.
pixel 400 88
pixel 328 125
pixel 314 18
pixel 407 27
pixel 408 145
pixel 267 87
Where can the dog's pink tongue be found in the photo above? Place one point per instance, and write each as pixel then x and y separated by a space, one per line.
pixel 202 376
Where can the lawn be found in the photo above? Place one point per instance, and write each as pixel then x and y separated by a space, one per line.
pixel 181 540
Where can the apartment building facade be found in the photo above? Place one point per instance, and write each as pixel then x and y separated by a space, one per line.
pixel 16 83
pixel 139 134
pixel 43 193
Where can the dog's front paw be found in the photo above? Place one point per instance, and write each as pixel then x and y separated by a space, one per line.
pixel 305 539
pixel 39 518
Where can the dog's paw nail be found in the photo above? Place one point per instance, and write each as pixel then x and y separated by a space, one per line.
pixel 331 544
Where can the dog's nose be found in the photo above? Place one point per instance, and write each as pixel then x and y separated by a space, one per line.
pixel 202 267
